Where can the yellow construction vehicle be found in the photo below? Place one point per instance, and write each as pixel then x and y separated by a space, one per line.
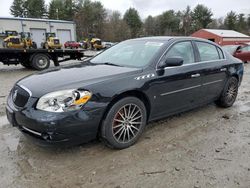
pixel 14 40
pixel 96 43
pixel 27 40
pixel 52 42
pixel 93 42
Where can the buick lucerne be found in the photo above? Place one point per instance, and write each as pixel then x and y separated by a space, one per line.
pixel 116 93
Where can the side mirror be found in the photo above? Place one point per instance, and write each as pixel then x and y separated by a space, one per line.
pixel 171 62
pixel 238 51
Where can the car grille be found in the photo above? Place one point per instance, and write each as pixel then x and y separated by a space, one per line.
pixel 15 40
pixel 99 42
pixel 20 96
pixel 56 41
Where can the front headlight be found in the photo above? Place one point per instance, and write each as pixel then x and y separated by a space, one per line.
pixel 63 101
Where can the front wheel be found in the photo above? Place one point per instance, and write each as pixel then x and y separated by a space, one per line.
pixel 229 93
pixel 124 123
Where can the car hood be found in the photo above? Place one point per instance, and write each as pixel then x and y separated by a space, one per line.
pixel 73 77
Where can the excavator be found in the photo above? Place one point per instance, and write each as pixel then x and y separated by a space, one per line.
pixel 52 42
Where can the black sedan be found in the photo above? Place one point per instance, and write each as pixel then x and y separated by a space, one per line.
pixel 115 94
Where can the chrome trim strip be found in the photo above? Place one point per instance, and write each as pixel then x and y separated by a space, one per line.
pixel 26 89
pixel 196 63
pixel 199 62
pixel 223 69
pixel 184 89
pixel 31 131
pixel 213 82
pixel 188 88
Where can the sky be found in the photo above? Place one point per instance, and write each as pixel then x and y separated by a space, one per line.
pixel 156 7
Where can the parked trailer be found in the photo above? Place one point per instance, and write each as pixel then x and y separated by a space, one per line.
pixel 38 59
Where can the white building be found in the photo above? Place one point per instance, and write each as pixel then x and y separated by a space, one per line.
pixel 65 30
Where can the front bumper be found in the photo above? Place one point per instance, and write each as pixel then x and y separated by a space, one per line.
pixel 60 129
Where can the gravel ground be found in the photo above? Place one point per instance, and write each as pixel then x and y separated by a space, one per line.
pixel 206 147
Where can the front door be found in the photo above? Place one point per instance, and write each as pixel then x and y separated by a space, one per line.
pixel 178 88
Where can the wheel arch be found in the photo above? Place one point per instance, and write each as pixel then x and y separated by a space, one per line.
pixel 35 54
pixel 131 93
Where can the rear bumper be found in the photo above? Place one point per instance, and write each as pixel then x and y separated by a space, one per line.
pixel 55 129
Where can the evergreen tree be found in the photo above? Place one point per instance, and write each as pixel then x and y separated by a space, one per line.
pixel 69 7
pixel 35 8
pixel 201 17
pixel 17 9
pixel 241 23
pixel 132 18
pixel 56 10
pixel 231 20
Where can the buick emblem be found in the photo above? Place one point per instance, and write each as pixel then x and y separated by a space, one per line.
pixel 14 95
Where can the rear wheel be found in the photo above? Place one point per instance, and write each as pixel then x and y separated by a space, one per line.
pixel 46 45
pixel 124 123
pixel 40 62
pixel 229 93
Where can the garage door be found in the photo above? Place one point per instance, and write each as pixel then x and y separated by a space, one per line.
pixel 38 35
pixel 64 35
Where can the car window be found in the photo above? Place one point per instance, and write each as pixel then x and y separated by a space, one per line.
pixel 183 50
pixel 220 53
pixel 208 52
pixel 245 49
pixel 129 53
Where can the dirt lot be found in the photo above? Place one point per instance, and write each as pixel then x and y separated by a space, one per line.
pixel 206 147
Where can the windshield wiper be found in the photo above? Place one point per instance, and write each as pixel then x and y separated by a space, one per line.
pixel 108 63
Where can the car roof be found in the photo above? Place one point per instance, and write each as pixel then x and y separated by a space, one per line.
pixel 166 39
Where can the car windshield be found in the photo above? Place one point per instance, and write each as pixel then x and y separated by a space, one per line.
pixel 131 53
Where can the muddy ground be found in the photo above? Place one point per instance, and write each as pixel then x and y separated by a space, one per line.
pixel 206 147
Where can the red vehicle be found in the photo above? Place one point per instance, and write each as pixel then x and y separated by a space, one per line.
pixel 241 52
pixel 72 44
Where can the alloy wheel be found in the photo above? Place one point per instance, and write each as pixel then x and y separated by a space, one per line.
pixel 127 123
pixel 231 92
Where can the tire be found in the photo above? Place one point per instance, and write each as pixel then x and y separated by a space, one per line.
pixel 34 45
pixel 124 123
pixel 5 44
pixel 229 93
pixel 46 45
pixel 40 62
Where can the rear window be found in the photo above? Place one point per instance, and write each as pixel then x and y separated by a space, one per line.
pixel 208 52
pixel 245 49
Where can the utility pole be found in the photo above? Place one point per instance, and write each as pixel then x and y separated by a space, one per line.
pixel 57 16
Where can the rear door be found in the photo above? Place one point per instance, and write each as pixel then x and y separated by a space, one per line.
pixel 213 70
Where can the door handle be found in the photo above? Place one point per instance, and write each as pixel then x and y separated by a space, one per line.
pixel 223 69
pixel 195 75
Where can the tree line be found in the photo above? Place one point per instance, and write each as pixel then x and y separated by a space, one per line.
pixel 92 18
